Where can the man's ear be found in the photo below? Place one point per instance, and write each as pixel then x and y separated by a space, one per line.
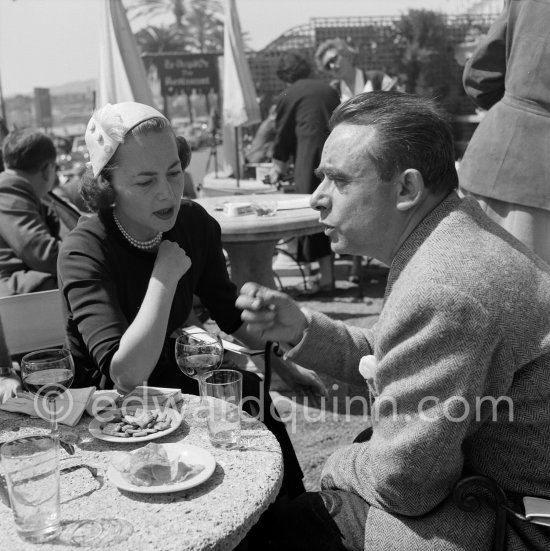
pixel 410 189
pixel 48 171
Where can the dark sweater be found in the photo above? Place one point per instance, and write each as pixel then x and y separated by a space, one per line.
pixel 103 280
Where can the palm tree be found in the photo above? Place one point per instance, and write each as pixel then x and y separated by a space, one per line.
pixel 153 8
pixel 205 23
pixel 202 20
pixel 422 46
pixel 155 40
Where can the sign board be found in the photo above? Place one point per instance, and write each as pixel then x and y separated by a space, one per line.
pixel 185 73
pixel 42 107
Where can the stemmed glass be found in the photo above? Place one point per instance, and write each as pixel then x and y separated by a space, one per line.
pixel 48 373
pixel 197 354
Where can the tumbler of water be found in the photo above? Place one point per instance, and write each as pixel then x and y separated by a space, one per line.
pixel 224 392
pixel 31 468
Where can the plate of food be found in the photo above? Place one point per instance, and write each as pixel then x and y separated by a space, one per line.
pixel 161 468
pixel 133 425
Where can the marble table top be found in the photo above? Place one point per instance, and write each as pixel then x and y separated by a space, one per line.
pixel 215 515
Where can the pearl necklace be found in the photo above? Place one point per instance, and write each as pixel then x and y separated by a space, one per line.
pixel 143 245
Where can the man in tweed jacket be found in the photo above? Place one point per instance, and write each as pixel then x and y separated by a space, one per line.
pixel 461 367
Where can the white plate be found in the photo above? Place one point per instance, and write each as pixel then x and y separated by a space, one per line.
pixel 96 432
pixel 188 453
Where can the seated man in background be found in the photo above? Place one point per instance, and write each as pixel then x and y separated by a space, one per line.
pixel 29 233
pixel 458 364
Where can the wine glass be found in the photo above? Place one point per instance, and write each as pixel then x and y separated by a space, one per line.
pixel 197 354
pixel 48 373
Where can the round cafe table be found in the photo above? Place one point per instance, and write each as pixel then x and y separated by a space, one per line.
pixel 250 240
pixel 215 515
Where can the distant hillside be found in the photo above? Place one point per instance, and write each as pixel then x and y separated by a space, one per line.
pixel 78 87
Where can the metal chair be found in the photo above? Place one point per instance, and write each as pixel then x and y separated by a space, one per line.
pixel 472 491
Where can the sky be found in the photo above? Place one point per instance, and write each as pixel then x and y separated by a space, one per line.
pixel 45 43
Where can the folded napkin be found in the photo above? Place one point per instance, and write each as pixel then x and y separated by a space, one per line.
pixel 69 406
pixel 141 396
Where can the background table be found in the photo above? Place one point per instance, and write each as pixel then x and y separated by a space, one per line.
pixel 215 515
pixel 221 186
pixel 250 240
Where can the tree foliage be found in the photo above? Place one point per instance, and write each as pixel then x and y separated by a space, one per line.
pixel 424 52
pixel 193 26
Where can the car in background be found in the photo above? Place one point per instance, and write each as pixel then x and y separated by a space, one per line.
pixel 79 151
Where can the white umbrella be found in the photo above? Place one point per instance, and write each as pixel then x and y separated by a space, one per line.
pixel 122 75
pixel 240 105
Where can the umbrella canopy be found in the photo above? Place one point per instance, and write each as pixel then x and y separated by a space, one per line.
pixel 122 75
pixel 240 105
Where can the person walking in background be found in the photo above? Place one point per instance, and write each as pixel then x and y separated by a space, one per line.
pixel 29 231
pixel 303 112
pixel 336 58
pixel 506 165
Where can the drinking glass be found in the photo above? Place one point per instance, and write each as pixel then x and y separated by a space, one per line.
pixel 224 390
pixel 48 373
pixel 31 467
pixel 197 354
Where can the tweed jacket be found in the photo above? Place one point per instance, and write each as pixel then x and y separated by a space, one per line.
pixel 29 239
pixel 509 74
pixel 466 318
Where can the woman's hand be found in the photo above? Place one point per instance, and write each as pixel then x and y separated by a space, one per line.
pixel 271 315
pixel 10 385
pixel 171 262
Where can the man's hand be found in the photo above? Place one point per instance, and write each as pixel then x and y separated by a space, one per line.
pixel 300 378
pixel 10 385
pixel 271 315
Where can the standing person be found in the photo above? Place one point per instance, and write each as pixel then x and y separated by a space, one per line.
pixel 457 365
pixel 506 165
pixel 336 58
pixel 29 232
pixel 128 273
pixel 302 118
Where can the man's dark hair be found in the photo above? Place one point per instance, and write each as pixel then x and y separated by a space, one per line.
pixel 28 150
pixel 292 67
pixel 411 132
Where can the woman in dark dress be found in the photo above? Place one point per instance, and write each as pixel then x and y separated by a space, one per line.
pixel 303 112
pixel 128 273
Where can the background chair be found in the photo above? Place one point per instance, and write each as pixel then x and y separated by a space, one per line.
pixel 32 321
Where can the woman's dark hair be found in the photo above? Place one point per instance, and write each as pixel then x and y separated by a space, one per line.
pixel 184 152
pixel 99 193
pixel 411 132
pixel 293 67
